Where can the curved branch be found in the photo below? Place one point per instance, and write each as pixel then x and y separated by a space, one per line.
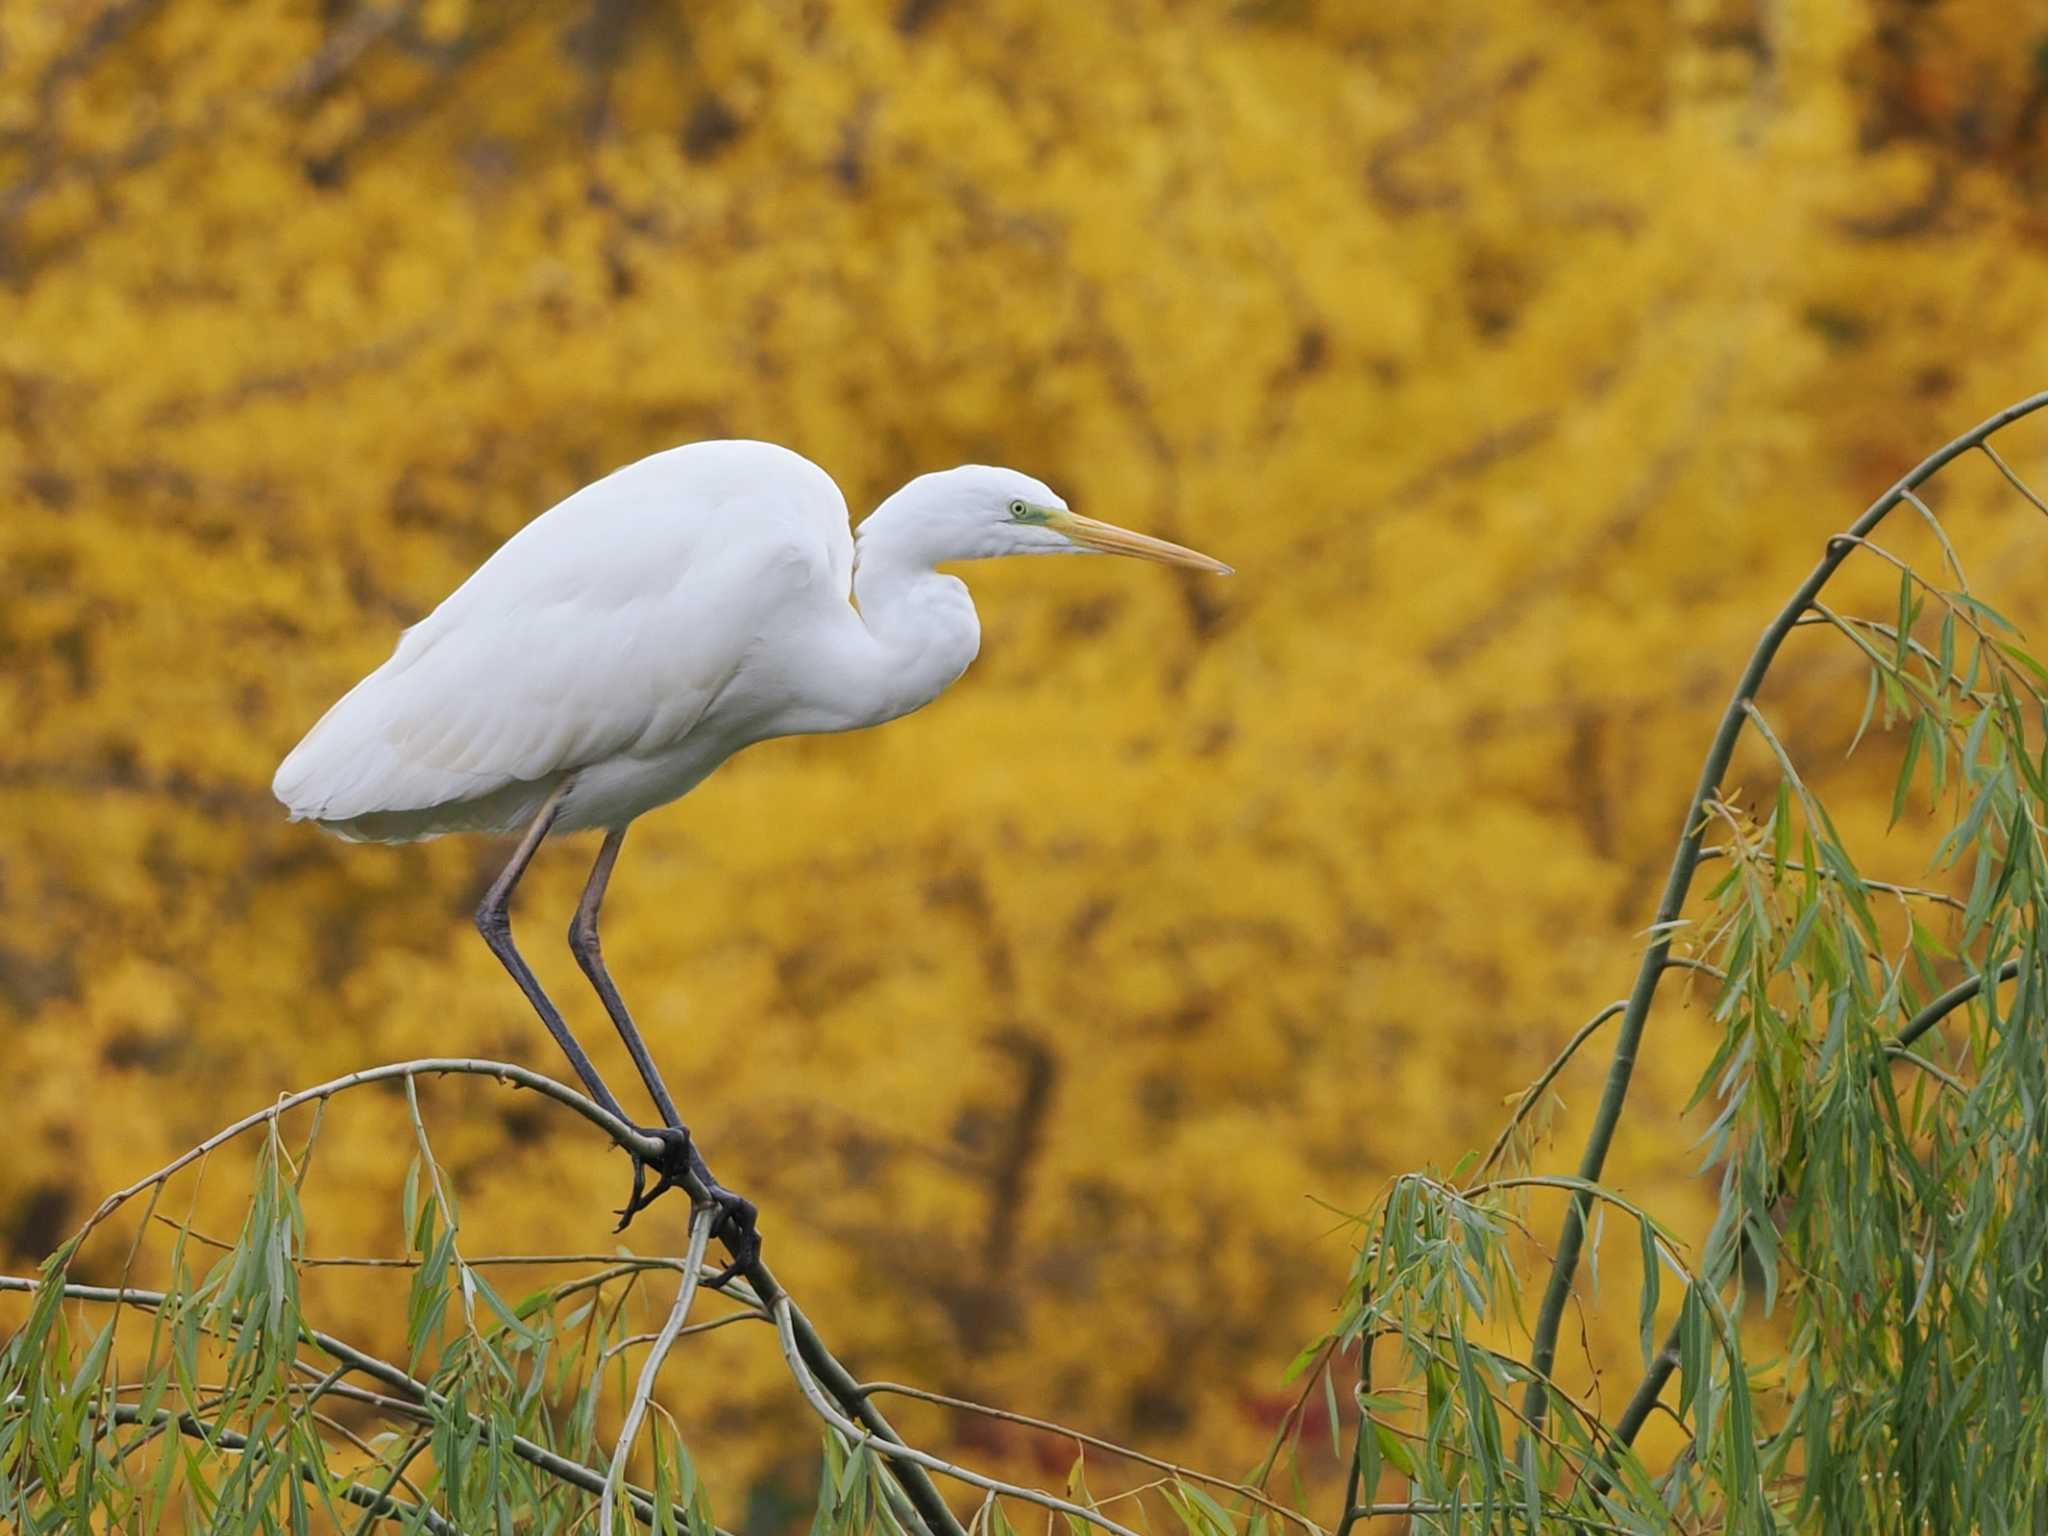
pixel 1685 861
pixel 635 1340
pixel 2012 479
pixel 504 1071
pixel 836 1379
pixel 701 1222
pixel 1946 1004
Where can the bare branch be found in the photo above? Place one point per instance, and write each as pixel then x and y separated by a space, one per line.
pixel 504 1071
pixel 1534 1092
pixel 701 1222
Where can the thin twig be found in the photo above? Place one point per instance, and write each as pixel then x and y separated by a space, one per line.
pixel 2017 483
pixel 1534 1092
pixel 1354 1478
pixel 397 1475
pixel 1695 964
pixel 1940 595
pixel 624 1262
pixel 1443 1511
pixel 1941 537
pixel 598 1279
pixel 1717 851
pixel 931 1507
pixel 635 1340
pixel 1947 1079
pixel 701 1222
pixel 1824 616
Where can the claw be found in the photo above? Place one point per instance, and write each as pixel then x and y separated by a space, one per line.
pixel 737 1214
pixel 633 1200
pixel 736 1229
pixel 677 1154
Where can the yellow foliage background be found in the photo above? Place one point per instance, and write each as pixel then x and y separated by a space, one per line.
pixel 1519 355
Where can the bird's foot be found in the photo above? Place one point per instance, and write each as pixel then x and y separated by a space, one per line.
pixel 736 1229
pixel 677 1154
pixel 737 1218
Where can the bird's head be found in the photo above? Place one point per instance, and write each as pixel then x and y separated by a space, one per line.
pixel 976 512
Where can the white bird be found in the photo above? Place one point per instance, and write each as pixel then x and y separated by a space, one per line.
pixel 626 642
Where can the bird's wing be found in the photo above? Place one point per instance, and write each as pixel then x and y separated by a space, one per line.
pixel 603 628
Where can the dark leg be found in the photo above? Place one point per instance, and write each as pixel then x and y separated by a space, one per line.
pixel 494 922
pixel 583 944
pixel 738 1226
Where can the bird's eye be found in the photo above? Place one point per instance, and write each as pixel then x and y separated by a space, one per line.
pixel 1018 509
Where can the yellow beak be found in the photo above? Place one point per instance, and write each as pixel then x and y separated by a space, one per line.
pixel 1112 540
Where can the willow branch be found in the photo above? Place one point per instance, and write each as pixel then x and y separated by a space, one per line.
pixel 396 1475
pixel 635 1340
pixel 1890 888
pixel 1533 1094
pixel 1914 1059
pixel 821 1369
pixel 833 1376
pixel 380 1504
pixel 1685 861
pixel 417 1395
pixel 701 1222
pixel 1354 1478
pixel 2014 480
pixel 966 1405
pixel 899 1452
pixel 1946 1004
pixel 1458 1513
pixel 503 1071
pixel 1938 675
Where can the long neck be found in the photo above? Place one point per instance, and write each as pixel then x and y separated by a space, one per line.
pixel 922 623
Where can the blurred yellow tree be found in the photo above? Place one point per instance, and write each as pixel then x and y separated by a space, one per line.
pixel 1509 350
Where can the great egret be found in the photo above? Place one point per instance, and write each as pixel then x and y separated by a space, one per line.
pixel 626 642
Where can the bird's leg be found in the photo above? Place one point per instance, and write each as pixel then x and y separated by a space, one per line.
pixel 738 1225
pixel 494 922
pixel 583 943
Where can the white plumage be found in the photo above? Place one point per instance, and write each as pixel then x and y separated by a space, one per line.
pixel 656 622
